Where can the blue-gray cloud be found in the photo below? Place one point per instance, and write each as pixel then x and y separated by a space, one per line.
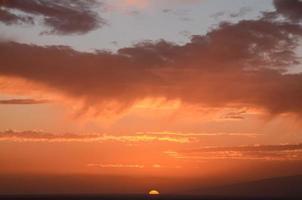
pixel 62 16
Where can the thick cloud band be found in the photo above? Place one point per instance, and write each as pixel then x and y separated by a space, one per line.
pixel 213 70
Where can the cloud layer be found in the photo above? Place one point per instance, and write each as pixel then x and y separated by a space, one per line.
pixel 63 17
pixel 240 64
pixel 282 152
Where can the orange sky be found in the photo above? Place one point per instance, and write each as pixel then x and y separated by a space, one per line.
pixel 222 103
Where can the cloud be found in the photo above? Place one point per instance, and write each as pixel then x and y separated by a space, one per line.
pixel 291 9
pixel 9 18
pixel 39 136
pixel 138 166
pixel 190 134
pixel 115 165
pixel 22 101
pixel 235 115
pixel 63 17
pixel 241 65
pixel 255 148
pixel 257 152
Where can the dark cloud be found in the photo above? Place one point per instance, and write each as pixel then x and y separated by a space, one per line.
pixel 239 64
pixel 9 18
pixel 22 101
pixel 236 115
pixel 62 16
pixel 33 135
pixel 291 9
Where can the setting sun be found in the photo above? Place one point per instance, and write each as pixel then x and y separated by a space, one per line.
pixel 153 192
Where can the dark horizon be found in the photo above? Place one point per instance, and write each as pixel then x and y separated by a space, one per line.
pixel 270 188
pixel 95 185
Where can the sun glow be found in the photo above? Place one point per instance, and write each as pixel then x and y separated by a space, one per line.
pixel 153 192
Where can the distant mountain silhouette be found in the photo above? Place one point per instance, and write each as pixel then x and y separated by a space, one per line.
pixel 290 187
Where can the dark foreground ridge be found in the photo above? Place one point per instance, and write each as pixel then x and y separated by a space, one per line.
pixel 278 187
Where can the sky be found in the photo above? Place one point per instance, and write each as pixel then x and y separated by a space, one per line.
pixel 176 88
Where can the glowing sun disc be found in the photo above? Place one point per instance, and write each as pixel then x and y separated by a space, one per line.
pixel 153 192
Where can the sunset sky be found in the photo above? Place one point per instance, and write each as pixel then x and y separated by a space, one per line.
pixel 177 88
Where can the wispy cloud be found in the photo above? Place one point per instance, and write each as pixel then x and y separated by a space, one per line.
pixel 195 135
pixel 23 101
pixel 99 165
pixel 257 152
pixel 38 136
pixel 139 166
